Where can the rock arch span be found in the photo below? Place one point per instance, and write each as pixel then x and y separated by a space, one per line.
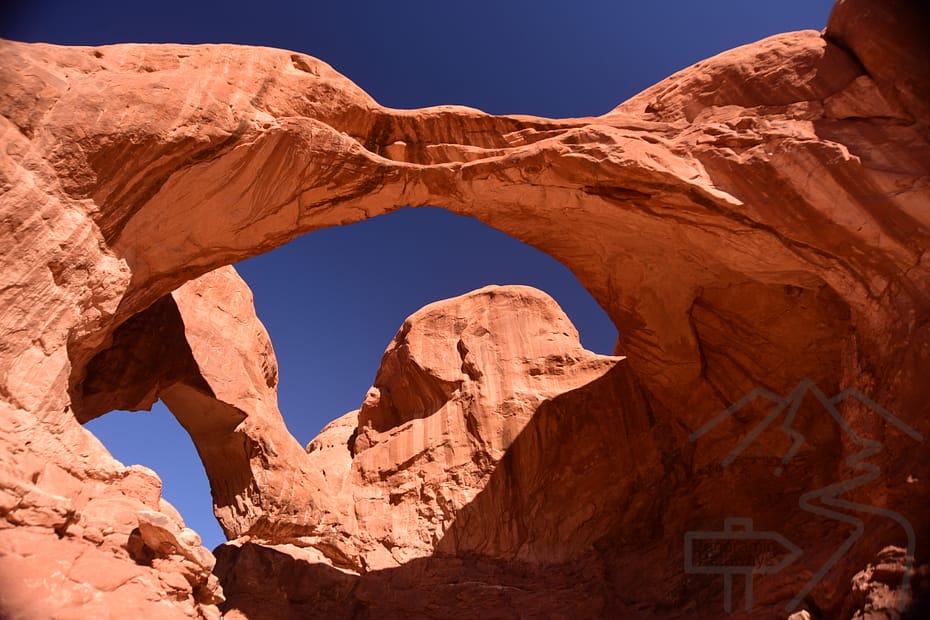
pixel 702 214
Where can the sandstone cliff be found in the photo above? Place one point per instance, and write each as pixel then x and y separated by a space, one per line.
pixel 758 219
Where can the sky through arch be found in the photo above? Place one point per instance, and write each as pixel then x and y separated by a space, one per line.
pixel 543 58
pixel 331 301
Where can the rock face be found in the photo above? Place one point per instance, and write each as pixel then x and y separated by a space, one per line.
pixel 755 222
pixel 459 475
pixel 203 351
pixel 456 391
pixel 877 589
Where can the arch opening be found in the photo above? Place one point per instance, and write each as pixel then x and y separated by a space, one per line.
pixel 372 275
pixel 386 268
pixel 156 440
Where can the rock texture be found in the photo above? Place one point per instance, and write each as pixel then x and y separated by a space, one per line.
pixel 758 219
pixel 456 391
pixel 877 589
pixel 474 471
pixel 203 351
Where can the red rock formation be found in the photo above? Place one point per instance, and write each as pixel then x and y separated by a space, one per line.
pixel 754 220
pixel 457 388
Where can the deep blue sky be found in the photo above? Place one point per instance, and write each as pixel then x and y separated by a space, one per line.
pixel 332 300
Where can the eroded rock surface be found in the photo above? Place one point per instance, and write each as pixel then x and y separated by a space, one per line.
pixel 82 544
pixel 456 391
pixel 755 220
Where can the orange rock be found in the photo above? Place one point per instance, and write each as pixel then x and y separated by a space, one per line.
pixel 753 220
pixel 456 389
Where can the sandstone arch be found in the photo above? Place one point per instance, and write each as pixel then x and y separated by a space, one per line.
pixel 788 172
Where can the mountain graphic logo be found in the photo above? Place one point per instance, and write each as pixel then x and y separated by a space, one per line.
pixel 822 502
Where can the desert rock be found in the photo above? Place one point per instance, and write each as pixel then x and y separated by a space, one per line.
pixel 756 220
pixel 455 393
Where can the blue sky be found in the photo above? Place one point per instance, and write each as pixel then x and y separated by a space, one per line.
pixel 333 299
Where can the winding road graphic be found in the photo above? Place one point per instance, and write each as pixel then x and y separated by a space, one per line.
pixel 822 501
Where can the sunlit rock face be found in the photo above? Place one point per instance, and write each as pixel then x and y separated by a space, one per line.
pixel 757 220
pixel 445 453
